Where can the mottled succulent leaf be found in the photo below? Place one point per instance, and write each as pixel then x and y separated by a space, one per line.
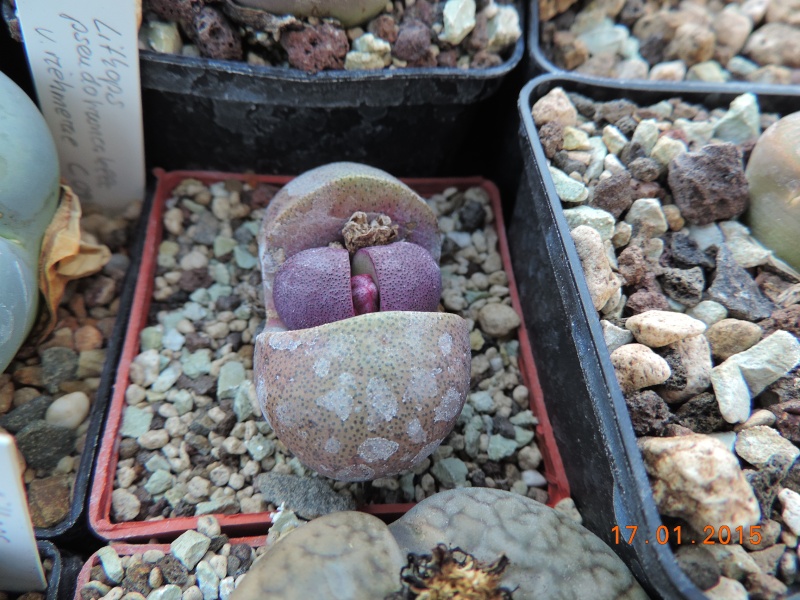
pixel 406 275
pixel 310 211
pixel 313 288
pixel 365 397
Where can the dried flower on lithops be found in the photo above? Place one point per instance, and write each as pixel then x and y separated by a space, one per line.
pixel 356 371
pixel 449 574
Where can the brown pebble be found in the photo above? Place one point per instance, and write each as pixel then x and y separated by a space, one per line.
pixel 88 338
pixel 317 48
pixel 384 27
pixel 67 321
pixel 77 305
pixel 6 393
pixel 106 326
pixel 28 375
pixel 60 338
pixel 48 500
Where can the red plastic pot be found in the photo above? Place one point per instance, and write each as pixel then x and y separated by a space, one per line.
pixel 84 576
pixel 256 523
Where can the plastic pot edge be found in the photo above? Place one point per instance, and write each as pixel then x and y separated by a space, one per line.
pixel 124 549
pixel 545 66
pixel 247 524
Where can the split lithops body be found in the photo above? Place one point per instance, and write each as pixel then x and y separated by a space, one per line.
pixel 355 370
pixel 773 174
pixel 29 192
pixel 491 538
pixel 349 12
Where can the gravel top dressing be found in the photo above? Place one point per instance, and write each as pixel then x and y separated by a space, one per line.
pixel 193 440
pixel 701 320
pixel 756 40
pixel 47 392
pixel 420 33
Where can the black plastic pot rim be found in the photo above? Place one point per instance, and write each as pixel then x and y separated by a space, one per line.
pixel 544 65
pixel 630 478
pixel 586 308
pixel 669 87
pixel 48 550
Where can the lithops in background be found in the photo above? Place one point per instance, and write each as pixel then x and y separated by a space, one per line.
pixel 349 12
pixel 29 191
pixel 356 371
pixel 355 556
pixel 773 174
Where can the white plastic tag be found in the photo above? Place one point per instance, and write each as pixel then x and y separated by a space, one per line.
pixel 20 566
pixel 84 58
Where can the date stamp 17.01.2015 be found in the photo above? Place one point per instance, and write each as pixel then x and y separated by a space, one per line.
pixel 722 534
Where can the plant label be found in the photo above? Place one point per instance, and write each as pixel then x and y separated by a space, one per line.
pixel 20 566
pixel 84 58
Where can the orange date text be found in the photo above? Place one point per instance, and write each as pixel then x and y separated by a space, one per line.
pixel 723 535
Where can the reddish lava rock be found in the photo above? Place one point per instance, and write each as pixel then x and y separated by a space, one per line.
pixel 215 36
pixel 709 185
pixel 315 48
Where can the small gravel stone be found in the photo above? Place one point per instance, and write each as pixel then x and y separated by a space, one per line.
pixel 758 444
pixel 44 445
pixel 660 328
pixel 153 439
pixel 708 311
pixel 167 592
pixel 68 411
pixel 307 497
pixel 189 548
pixel 20 417
pixel 450 472
pixel 791 509
pixel 684 469
pixel 498 320
pixel 600 278
pixel 112 566
pixel 500 447
pixel 125 506
pixel 555 106
pixel 734 288
pixel 732 336
pixel 649 413
pixel 699 565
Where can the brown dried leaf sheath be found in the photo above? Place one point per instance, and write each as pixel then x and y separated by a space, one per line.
pixel 64 256
pixel 359 233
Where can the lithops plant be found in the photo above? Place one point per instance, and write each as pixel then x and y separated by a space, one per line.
pixel 356 371
pixel 349 12
pixel 355 556
pixel 29 192
pixel 773 174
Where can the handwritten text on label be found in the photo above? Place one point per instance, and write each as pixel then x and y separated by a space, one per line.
pixel 84 59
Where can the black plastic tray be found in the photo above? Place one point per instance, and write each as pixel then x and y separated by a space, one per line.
pixel 586 406
pixel 48 550
pixel 74 527
pixel 538 63
pixel 230 116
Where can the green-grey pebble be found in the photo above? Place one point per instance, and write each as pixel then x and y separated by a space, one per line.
pixel 450 472
pixel 135 422
pixel 150 338
pixel 500 447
